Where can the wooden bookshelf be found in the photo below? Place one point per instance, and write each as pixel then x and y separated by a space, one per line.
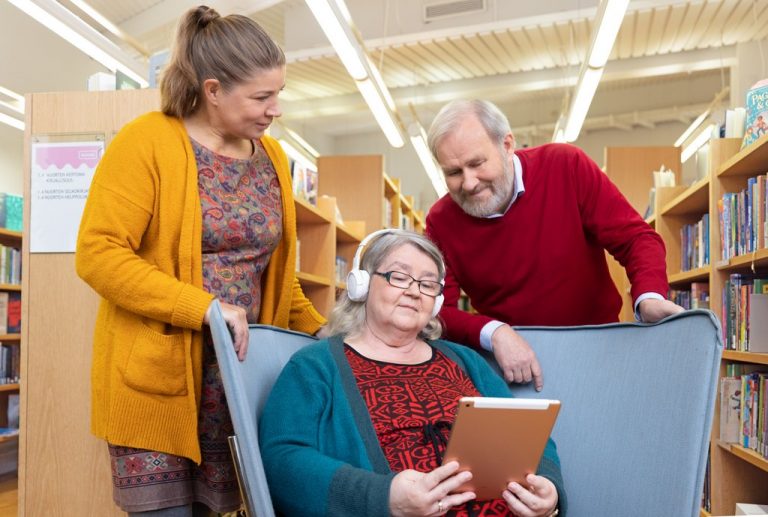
pixel 693 275
pixel 745 357
pixel 694 199
pixel 737 474
pixel 749 456
pixel 9 467
pixel 365 192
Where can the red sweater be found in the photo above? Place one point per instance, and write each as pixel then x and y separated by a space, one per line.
pixel 543 262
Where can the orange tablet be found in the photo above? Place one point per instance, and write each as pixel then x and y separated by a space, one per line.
pixel 499 440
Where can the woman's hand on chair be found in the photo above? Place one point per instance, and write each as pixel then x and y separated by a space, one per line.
pixel 537 501
pixel 416 493
pixel 237 322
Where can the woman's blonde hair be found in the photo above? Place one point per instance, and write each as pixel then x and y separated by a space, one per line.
pixel 348 316
pixel 229 49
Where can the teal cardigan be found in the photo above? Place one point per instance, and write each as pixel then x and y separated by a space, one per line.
pixel 319 447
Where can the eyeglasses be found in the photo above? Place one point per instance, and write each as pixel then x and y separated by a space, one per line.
pixel 404 281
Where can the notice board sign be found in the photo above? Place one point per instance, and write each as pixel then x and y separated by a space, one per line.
pixel 62 168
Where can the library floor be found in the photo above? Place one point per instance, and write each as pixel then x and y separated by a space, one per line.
pixel 8 496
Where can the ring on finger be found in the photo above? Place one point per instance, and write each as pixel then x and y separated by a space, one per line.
pixel 440 506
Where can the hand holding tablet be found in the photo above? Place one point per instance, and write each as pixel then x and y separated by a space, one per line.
pixel 499 440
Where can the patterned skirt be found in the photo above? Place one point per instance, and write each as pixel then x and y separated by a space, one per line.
pixel 150 480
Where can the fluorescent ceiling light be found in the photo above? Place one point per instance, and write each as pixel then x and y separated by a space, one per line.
pixel 340 35
pixel 80 34
pixel 694 125
pixel 11 121
pixel 17 104
pixel 701 118
pixel 701 139
pixel 380 84
pixel 12 94
pixel 297 155
pixel 585 91
pixel 381 112
pixel 610 15
pixel 559 134
pixel 299 140
pixel 419 142
pixel 607 23
pixel 335 20
pixel 108 25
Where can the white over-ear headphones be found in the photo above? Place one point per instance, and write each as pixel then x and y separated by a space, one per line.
pixel 358 279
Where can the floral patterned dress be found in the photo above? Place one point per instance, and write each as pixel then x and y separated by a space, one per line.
pixel 242 225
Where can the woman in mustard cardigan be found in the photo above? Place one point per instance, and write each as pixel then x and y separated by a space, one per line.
pixel 187 206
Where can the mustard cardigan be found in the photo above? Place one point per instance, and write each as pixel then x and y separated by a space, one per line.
pixel 140 248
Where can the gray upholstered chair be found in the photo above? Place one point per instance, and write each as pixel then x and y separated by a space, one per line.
pixel 634 427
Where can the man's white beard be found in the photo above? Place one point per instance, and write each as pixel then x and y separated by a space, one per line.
pixel 501 193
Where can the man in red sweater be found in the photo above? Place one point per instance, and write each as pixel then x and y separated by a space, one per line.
pixel 524 233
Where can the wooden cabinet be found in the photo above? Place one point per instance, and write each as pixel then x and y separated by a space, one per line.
pixel 737 474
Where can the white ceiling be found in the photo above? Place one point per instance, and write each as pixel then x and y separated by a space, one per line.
pixel 513 51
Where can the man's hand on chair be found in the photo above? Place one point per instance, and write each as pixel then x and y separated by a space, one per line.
pixel 652 310
pixel 516 358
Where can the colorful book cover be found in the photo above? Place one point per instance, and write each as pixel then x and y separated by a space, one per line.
pixel 756 124
pixel 730 409
pixel 14 209
pixel 14 312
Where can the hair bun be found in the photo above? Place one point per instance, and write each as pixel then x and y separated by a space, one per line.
pixel 205 15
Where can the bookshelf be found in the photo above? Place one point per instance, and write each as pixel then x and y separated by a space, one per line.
pixel 737 474
pixel 9 445
pixel 322 239
pixel 364 191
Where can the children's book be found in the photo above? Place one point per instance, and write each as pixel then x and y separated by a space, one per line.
pixel 756 124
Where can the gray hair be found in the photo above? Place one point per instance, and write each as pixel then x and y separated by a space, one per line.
pixel 450 115
pixel 348 316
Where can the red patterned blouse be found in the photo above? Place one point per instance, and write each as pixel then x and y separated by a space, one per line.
pixel 412 408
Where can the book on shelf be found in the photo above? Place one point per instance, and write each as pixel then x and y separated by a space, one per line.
pixel 694 240
pixel 4 312
pixel 742 217
pixel 744 407
pixel 757 314
pixel 730 409
pixel 11 209
pixel 13 410
pixel 10 364
pixel 756 120
pixel 695 298
pixel 14 313
pixel 304 181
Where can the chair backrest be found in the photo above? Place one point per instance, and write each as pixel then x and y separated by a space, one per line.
pixel 632 433
pixel 638 401
pixel 247 385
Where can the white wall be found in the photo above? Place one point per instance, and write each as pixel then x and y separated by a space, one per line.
pixel 11 160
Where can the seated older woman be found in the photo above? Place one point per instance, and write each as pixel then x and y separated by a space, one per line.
pixel 357 424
